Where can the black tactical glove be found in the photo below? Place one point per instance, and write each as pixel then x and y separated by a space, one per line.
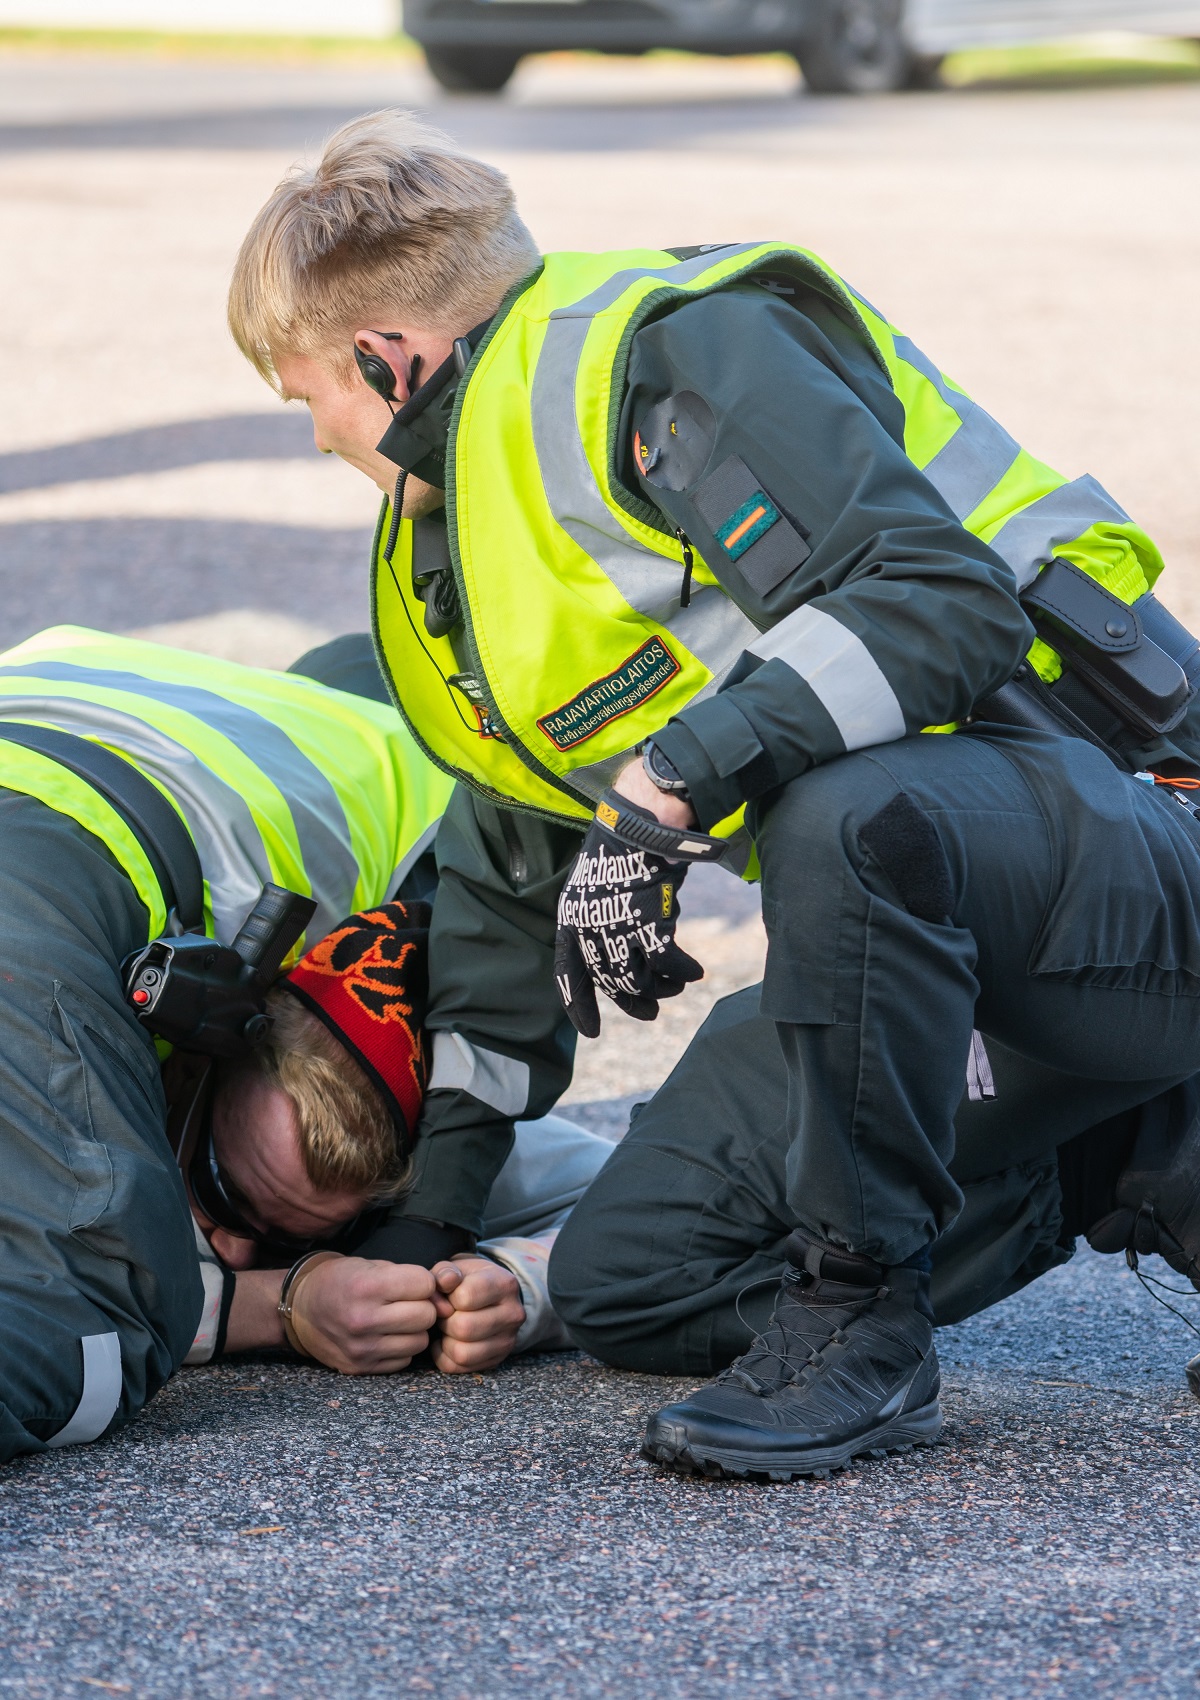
pixel 616 931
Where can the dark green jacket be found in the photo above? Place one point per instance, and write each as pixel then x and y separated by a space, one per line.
pixel 803 402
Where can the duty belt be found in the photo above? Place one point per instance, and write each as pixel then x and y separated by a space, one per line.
pixel 145 811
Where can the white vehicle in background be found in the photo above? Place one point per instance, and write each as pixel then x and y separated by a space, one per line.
pixel 843 46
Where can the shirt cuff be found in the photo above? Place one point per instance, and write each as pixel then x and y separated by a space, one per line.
pixel 719 756
pixel 529 1261
pixel 219 1284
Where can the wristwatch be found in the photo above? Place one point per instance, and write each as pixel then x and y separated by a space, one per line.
pixel 661 772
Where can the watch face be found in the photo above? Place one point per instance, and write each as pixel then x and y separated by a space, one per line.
pixel 661 771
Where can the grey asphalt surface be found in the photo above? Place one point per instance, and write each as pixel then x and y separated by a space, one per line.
pixel 268 1530
pixel 272 1530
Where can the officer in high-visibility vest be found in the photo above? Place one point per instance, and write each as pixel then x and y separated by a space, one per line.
pixel 677 534
pixel 119 761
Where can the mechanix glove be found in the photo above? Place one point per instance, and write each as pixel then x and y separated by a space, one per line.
pixel 616 918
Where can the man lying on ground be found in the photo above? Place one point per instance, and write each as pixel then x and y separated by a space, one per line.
pixel 143 791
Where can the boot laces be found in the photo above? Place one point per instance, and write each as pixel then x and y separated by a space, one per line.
pixel 775 1344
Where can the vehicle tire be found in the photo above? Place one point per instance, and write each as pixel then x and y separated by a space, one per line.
pixel 924 71
pixel 856 47
pixel 471 70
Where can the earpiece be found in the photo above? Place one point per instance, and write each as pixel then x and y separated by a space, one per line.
pixel 377 375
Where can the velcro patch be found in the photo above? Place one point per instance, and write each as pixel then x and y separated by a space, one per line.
pixel 674 442
pixel 634 682
pixel 749 525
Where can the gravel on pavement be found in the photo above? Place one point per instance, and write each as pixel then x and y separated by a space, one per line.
pixel 274 1530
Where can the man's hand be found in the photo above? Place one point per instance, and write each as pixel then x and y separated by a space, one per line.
pixel 635 783
pixel 616 924
pixel 481 1313
pixel 363 1316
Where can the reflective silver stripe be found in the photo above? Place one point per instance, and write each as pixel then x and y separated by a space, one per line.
pixel 502 1083
pixel 595 779
pixel 1028 540
pixel 101 1392
pixel 907 350
pixel 713 628
pixel 972 463
pixel 981 1084
pixel 842 673
pixel 414 855
pixel 219 819
pixel 232 854
pixel 862 300
pixel 670 272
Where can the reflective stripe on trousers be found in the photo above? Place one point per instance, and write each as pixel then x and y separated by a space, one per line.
pixel 101 1392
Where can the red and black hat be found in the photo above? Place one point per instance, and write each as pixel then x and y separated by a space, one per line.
pixel 368 981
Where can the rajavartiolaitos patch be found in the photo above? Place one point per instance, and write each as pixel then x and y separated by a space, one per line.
pixel 634 682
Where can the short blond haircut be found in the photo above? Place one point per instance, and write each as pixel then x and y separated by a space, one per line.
pixel 346 1136
pixel 393 222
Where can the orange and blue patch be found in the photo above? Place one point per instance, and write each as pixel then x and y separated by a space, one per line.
pixel 747 524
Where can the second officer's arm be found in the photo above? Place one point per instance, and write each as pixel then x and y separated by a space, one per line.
pixel 502 1049
pixel 880 614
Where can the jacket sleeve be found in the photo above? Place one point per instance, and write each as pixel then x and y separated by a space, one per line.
pixel 879 614
pixel 502 1048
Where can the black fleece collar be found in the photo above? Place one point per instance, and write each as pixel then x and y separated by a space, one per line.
pixel 419 433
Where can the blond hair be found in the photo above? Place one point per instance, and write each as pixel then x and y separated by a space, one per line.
pixel 393 222
pixel 346 1136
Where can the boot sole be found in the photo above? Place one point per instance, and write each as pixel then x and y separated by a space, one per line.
pixel 901 1434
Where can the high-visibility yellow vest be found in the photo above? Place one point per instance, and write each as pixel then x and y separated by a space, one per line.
pixel 277 778
pixel 575 646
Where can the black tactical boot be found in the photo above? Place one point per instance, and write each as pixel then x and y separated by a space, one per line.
pixel 846 1366
pixel 1158 1191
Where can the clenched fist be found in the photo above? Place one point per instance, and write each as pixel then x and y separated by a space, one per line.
pixel 363 1316
pixel 479 1306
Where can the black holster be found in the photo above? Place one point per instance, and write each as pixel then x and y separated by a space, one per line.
pixel 1130 670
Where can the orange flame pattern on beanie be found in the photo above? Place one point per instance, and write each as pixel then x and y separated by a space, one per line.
pixel 368 981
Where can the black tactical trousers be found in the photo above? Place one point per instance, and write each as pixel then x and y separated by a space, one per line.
pixel 1070 938
pixel 100 1291
pixel 671 1260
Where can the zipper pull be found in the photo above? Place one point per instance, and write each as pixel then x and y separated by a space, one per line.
pixel 685 589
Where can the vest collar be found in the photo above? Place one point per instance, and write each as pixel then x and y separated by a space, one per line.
pixel 419 432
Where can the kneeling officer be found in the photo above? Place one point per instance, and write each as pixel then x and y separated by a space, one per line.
pixel 685 547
